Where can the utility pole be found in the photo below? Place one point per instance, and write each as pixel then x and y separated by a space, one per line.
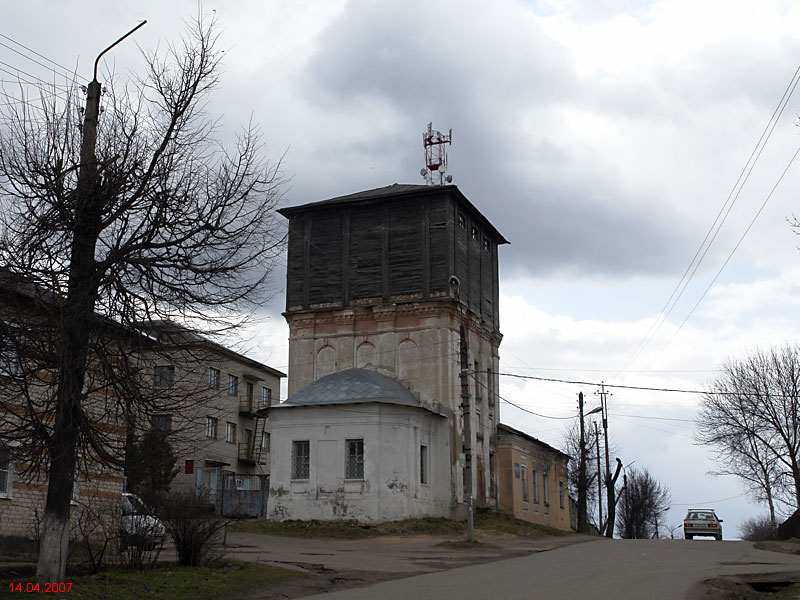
pixel 581 471
pixel 599 481
pixel 610 481
pixel 82 290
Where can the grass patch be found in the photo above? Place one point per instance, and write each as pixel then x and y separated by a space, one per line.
pixel 167 581
pixel 484 521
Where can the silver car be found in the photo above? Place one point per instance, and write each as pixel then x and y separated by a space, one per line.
pixel 702 521
pixel 138 526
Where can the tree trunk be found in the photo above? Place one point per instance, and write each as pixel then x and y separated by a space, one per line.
pixel 76 325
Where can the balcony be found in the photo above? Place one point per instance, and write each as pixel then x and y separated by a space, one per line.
pixel 251 456
pixel 246 454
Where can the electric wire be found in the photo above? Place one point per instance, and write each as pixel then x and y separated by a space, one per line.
pixel 730 255
pixel 733 196
pixel 67 71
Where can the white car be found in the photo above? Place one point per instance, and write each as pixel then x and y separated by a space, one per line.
pixel 138 525
pixel 702 521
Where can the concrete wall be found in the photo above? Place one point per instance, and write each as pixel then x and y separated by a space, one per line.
pixel 538 463
pixel 391 488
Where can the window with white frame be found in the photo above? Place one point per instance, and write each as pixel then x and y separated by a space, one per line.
pixel 233 385
pixel 230 432
pixel 301 459
pixel 6 472
pixel 163 376
pixel 211 427
pixel 423 464
pixel 266 397
pixel 354 459
pixel 213 378
pixel 523 472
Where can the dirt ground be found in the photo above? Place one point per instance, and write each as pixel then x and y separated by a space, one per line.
pixel 752 587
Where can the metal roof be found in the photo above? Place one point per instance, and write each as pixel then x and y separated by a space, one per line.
pixel 353 386
pixel 391 193
pixel 502 427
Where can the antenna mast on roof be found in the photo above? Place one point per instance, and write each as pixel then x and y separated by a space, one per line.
pixel 435 167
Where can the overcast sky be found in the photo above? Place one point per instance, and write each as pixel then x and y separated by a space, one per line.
pixel 602 139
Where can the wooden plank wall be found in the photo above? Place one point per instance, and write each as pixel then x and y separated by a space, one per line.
pixel 348 252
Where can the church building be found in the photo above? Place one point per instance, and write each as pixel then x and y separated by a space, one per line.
pixel 380 286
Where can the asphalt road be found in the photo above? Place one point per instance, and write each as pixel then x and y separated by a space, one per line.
pixel 602 569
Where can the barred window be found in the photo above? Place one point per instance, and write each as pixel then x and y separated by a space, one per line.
pixel 213 378
pixel 164 376
pixel 354 459
pixel 211 427
pixel 301 452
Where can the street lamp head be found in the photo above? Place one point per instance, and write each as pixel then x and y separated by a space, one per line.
pixel 594 410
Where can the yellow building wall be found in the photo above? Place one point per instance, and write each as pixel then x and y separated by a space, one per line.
pixel 544 474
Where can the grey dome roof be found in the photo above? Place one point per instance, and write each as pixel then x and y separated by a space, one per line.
pixel 353 386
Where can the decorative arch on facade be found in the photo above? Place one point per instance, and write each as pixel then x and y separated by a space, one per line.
pixel 408 360
pixel 326 361
pixel 366 356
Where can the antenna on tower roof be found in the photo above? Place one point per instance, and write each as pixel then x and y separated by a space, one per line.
pixel 435 169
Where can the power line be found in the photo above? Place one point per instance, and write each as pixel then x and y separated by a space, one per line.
pixel 716 226
pixel 708 502
pixel 67 71
pixel 727 260
pixel 609 385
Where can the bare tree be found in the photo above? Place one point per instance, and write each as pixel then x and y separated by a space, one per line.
pixel 758 529
pixel 136 214
pixel 642 505
pixel 759 470
pixel 570 445
pixel 749 414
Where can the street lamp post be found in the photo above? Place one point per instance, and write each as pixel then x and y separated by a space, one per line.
pixel 582 483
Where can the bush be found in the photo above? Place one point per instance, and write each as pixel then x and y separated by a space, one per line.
pixel 757 529
pixel 191 525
